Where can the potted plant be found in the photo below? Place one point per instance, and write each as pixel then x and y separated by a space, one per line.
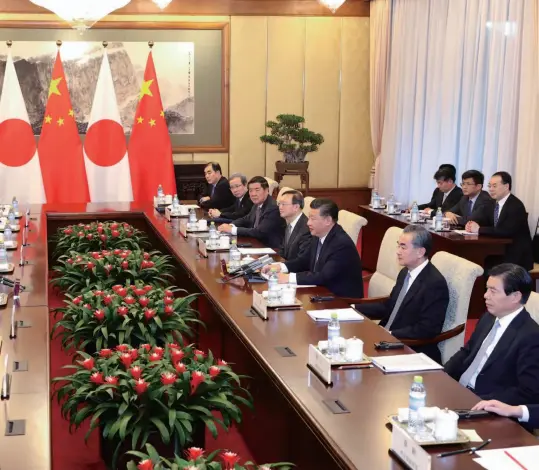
pixel 97 236
pixel 133 314
pixel 293 140
pixel 196 460
pixel 77 272
pixel 150 395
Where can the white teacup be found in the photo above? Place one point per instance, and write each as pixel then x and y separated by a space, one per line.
pixel 354 349
pixel 224 241
pixel 288 295
pixel 183 210
pixel 202 224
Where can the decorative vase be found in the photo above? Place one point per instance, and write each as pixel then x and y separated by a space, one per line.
pixel 284 167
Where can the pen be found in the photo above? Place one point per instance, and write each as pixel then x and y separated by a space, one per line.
pixel 471 450
pixel 515 460
pixel 365 366
pixel 287 308
pixel 480 446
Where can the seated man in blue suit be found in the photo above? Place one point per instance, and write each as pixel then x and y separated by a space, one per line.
pixel 501 359
pixel 332 259
pixel 526 414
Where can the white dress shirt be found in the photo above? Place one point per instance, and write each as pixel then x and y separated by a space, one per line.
pixel 504 323
pixel 473 199
pixel 292 278
pixel 234 229
pixel 294 222
pixel 501 203
pixel 448 193
pixel 415 272
pixel 525 414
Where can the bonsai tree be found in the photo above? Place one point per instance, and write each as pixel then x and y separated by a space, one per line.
pixel 291 138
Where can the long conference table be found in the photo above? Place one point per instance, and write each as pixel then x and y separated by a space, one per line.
pixel 292 420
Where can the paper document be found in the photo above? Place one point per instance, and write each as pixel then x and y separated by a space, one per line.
pixel 256 251
pixel 472 435
pixel 513 458
pixel 464 232
pixel 345 314
pixel 405 363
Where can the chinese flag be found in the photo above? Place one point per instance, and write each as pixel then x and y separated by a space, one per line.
pixel 150 150
pixel 60 148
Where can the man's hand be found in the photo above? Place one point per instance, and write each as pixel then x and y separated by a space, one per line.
pixel 453 219
pixel 205 198
pixel 273 266
pixel 283 278
pixel 227 228
pixel 427 211
pixel 472 227
pixel 502 409
pixel 214 213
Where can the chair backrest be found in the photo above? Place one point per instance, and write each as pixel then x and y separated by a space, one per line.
pixel 284 190
pixel 387 267
pixel 351 223
pixel 532 306
pixel 460 275
pixel 273 186
pixel 307 205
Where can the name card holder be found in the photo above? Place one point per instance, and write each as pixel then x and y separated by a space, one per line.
pixel 183 229
pixel 319 365
pixel 408 451
pixel 167 214
pixel 202 248
pixel 260 305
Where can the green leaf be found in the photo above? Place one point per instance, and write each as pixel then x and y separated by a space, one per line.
pixel 165 435
pixel 154 456
pixel 136 435
pixel 171 418
pixel 211 426
pixel 123 424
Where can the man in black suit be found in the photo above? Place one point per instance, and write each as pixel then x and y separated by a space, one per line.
pixel 473 203
pixel 508 219
pixel 501 359
pixel 297 237
pixel 526 414
pixel 242 205
pixel 332 260
pixel 447 193
pixel 263 222
pixel 418 303
pixel 217 193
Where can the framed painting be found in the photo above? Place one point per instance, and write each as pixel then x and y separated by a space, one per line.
pixel 191 61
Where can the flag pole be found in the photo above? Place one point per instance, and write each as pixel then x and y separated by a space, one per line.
pixel 150 44
pixel 9 43
pixel 59 43
pixel 105 44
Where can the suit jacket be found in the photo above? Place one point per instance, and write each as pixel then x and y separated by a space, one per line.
pixel 299 241
pixel 437 198
pixel 511 373
pixel 483 203
pixel 422 312
pixel 271 226
pixel 533 422
pixel 222 196
pixel 239 209
pixel 512 223
pixel 338 268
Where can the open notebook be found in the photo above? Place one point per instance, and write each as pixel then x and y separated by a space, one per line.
pixel 344 314
pixel 405 363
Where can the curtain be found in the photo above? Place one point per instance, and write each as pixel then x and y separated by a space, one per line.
pixel 380 21
pixel 527 167
pixel 454 73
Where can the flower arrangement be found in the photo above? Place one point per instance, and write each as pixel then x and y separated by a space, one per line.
pixel 98 236
pixel 133 314
pixel 196 460
pixel 78 272
pixel 148 392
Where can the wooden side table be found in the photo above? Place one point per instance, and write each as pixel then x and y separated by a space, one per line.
pixel 190 181
pixel 303 175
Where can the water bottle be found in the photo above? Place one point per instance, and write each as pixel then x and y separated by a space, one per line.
pixel 11 217
pixel 214 236
pixel 8 234
pixel 175 203
pixel 15 205
pixel 160 195
pixel 391 204
pixel 334 333
pixel 438 220
pixel 3 254
pixel 234 259
pixel 374 193
pixel 376 201
pixel 414 213
pixel 192 219
pixel 418 397
pixel 273 287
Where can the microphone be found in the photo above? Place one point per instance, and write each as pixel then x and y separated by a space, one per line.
pixel 251 267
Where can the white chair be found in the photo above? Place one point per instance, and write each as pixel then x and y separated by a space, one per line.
pixel 460 275
pixel 273 185
pixel 284 190
pixel 387 268
pixel 307 205
pixel 351 223
pixel 532 306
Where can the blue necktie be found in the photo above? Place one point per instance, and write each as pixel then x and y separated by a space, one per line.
pixel 318 250
pixel 212 190
pixel 496 214
pixel 470 207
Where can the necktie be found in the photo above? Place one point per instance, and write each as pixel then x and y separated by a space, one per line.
pixel 496 214
pixel 480 358
pixel 318 250
pixel 470 207
pixel 398 303
pixel 238 203
pixel 212 189
pixel 443 199
pixel 287 234
pixel 257 216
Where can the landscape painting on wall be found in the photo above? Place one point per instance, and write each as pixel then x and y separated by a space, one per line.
pixel 174 64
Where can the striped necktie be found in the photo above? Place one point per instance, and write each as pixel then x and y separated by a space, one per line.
pixel 496 214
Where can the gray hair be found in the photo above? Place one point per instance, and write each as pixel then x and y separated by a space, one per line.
pixel 241 176
pixel 421 237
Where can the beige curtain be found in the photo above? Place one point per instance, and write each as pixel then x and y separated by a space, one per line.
pixel 527 163
pixel 380 22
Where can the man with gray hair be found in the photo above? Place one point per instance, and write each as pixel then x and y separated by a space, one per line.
pixel 417 304
pixel 241 207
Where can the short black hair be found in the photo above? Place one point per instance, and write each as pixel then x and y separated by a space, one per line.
pixel 444 174
pixel 215 166
pixel 506 178
pixel 451 168
pixel 477 176
pixel 297 197
pixel 421 237
pixel 241 176
pixel 515 279
pixel 259 179
pixel 327 208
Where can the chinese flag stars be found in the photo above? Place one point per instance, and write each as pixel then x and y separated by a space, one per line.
pixel 60 148
pixel 150 150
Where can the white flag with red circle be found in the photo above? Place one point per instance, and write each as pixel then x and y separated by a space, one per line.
pixel 20 171
pixel 105 150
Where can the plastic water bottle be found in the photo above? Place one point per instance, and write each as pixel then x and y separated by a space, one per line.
pixel 11 217
pixel 438 220
pixel 175 203
pixel 418 397
pixel 15 205
pixel 234 259
pixel 414 213
pixel 214 236
pixel 3 254
pixel 374 193
pixel 8 234
pixel 273 287
pixel 334 333
pixel 391 204
pixel 192 219
pixel 160 195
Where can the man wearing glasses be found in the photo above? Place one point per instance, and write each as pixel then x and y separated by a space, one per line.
pixel 241 207
pixel 297 238
pixel 474 201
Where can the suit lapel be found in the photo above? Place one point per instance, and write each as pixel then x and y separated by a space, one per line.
pixel 323 251
pixel 416 285
pixel 297 229
pixel 505 209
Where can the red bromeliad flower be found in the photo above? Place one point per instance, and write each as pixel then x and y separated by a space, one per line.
pixel 105 352
pixel 230 459
pixel 99 314
pixel 122 347
pixel 114 226
pixel 108 299
pixel 169 310
pixel 117 251
pixel 141 386
pixel 122 311
pixel 177 355
pixel 168 378
pixel 89 236
pixel 145 465
pixel 159 350
pixel 194 453
pixel 221 362
pixel 146 255
pixel 115 233
pixel 146 346
pixel 98 293
pixel 154 357
pixel 198 355
pixel 149 288
pixel 134 353
pixel 136 372
pixel 111 380
pixel 173 346
pixel 90 266
pixel 97 378
pixel 180 367
pixel 125 264
pixel 129 300
pixel 122 292
pixel 168 300
pixel 169 293
pixel 126 360
pixel 124 255
pixel 68 231
pixel 70 261
pixel 197 378
pixel 88 306
pixel 103 237
pixel 87 363
pixel 100 229
pixel 149 313
pixel 77 300
pixel 214 371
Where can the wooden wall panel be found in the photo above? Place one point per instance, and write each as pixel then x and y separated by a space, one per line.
pixel 355 148
pixel 221 158
pixel 322 96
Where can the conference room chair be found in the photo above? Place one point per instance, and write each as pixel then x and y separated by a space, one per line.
pixel 284 190
pixel 273 187
pixel 534 273
pixel 307 205
pixel 532 306
pixel 351 224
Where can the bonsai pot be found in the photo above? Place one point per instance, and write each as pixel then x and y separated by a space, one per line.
pixel 284 167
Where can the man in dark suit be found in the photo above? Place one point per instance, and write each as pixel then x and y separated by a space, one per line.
pixel 447 193
pixel 526 414
pixel 501 359
pixel 418 303
pixel 217 193
pixel 242 205
pixel 508 219
pixel 297 237
pixel 474 201
pixel 332 260
pixel 263 222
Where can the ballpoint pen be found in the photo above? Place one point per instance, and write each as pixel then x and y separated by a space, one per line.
pixel 350 367
pixel 471 450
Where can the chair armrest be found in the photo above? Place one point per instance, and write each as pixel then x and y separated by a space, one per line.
pixel 368 300
pixel 437 339
pixel 367 277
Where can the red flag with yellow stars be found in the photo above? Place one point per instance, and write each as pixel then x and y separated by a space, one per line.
pixel 60 147
pixel 150 150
